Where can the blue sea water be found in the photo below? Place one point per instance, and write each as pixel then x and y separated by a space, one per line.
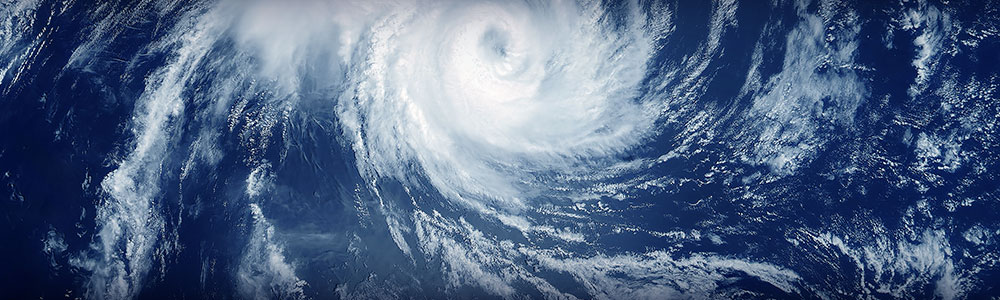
pixel 477 149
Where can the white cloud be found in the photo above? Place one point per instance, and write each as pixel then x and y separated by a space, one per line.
pixel 899 266
pixel 128 220
pixel 816 91
pixel 263 272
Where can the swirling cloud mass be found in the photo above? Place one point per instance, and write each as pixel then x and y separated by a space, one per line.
pixel 482 97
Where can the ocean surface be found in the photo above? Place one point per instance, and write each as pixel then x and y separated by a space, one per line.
pixel 412 149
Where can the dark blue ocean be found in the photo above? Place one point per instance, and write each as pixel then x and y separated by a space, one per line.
pixel 492 149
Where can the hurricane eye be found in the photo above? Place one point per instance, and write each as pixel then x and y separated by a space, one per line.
pixel 495 43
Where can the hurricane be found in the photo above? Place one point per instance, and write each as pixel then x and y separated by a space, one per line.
pixel 558 149
pixel 483 96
